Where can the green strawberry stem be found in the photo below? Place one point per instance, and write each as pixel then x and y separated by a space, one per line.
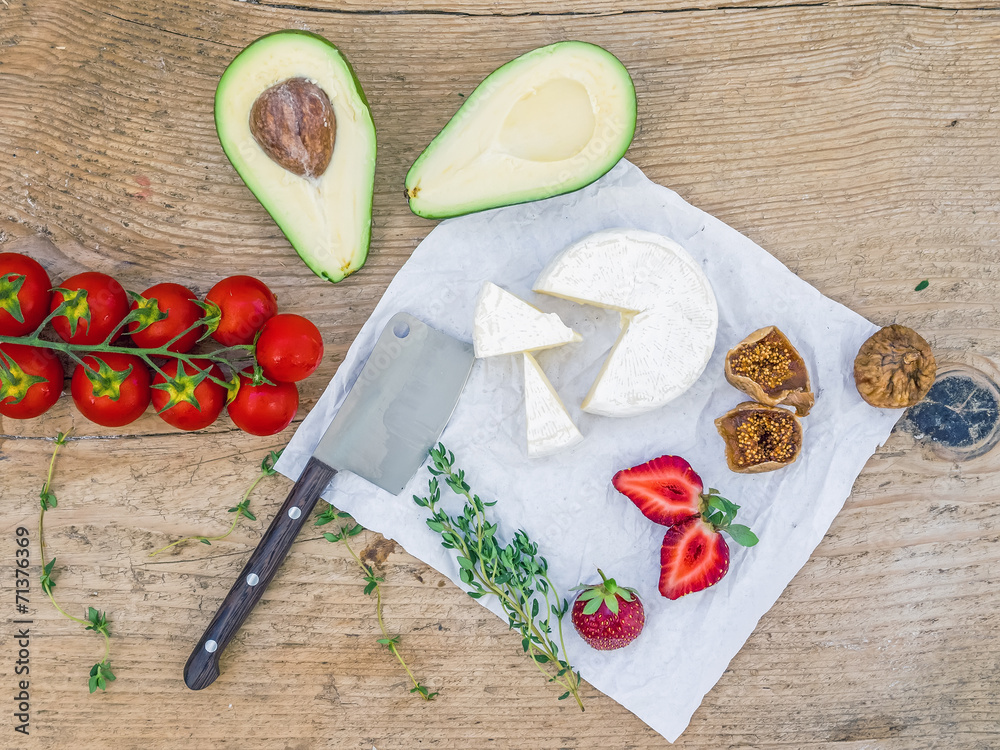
pixel 515 574
pixel 606 592
pixel 720 513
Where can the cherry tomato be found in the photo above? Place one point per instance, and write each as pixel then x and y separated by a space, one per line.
pixel 246 304
pixel 263 409
pixel 33 298
pixel 33 399
pixel 106 300
pixel 111 404
pixel 183 415
pixel 178 302
pixel 289 349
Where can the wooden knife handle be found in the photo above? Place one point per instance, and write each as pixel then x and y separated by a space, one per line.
pixel 202 666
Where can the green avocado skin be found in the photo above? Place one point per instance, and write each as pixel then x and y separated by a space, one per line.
pixel 316 265
pixel 599 168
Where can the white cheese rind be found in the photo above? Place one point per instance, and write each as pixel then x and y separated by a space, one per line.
pixel 669 312
pixel 506 324
pixel 548 426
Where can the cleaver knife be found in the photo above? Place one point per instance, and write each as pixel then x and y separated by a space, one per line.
pixel 392 416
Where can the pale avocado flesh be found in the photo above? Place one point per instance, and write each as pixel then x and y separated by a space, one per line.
pixel 547 123
pixel 327 219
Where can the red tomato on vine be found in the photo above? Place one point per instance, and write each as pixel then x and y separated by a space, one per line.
pixel 24 294
pixel 245 304
pixel 31 380
pixel 289 348
pixel 90 317
pixel 263 409
pixel 112 395
pixel 188 398
pixel 180 306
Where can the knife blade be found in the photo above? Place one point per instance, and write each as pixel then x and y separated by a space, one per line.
pixel 392 416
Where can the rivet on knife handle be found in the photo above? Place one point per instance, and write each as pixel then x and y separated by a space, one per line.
pixel 202 666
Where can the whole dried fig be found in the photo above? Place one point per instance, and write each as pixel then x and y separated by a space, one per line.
pixel 766 367
pixel 759 437
pixel 895 368
pixel 293 122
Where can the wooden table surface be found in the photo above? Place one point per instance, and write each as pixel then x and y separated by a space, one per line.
pixel 857 141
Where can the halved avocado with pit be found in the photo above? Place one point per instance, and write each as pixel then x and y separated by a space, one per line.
pixel 549 122
pixel 295 124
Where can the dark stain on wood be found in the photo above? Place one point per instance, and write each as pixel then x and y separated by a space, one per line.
pixel 378 551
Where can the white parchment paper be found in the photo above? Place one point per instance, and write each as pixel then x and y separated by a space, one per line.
pixel 566 503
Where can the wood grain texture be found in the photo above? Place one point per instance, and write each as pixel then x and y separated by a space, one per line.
pixel 599 8
pixel 857 143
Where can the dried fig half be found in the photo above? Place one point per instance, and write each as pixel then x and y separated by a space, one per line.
pixel 766 367
pixel 759 437
pixel 293 122
pixel 895 368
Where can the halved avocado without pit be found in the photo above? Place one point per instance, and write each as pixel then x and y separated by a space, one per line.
pixel 294 122
pixel 549 122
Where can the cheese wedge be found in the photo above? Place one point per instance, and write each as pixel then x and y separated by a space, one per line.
pixel 549 427
pixel 505 324
pixel 669 315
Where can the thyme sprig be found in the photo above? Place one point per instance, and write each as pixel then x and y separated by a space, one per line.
pixel 241 509
pixel 373 584
pixel 514 573
pixel 100 673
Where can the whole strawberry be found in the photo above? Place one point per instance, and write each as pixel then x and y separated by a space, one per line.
pixel 608 616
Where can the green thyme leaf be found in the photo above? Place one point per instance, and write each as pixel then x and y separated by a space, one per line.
pixel 329 515
pixel 48 500
pixel 47 583
pixel 267 465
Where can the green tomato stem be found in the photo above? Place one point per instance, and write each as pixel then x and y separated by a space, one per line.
pixel 146 355
pixel 245 347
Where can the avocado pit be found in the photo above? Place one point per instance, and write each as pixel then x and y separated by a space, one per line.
pixel 293 122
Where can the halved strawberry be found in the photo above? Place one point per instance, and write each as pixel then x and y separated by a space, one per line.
pixel 666 490
pixel 694 555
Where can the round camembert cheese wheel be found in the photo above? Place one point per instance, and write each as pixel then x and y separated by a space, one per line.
pixel 669 315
